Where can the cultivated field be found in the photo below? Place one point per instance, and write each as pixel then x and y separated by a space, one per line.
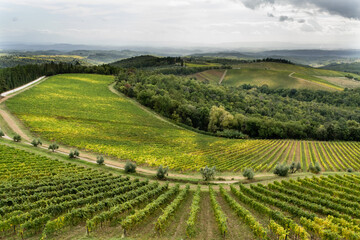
pixel 46 198
pixel 280 75
pixel 79 110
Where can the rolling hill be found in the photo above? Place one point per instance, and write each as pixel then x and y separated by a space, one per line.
pixel 281 75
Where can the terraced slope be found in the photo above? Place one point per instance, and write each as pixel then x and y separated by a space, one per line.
pixel 79 110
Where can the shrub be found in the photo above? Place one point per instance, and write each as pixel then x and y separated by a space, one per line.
pixel 249 173
pixel 315 168
pixel 281 170
pixel 294 167
pixel 74 154
pixel 2 133
pixel 53 147
pixel 162 172
pixel 100 160
pixel 350 170
pixel 207 173
pixel 231 133
pixel 17 138
pixel 130 167
pixel 36 142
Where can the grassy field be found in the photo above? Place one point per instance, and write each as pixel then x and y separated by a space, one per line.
pixel 79 110
pixel 213 76
pixel 280 75
pixel 49 199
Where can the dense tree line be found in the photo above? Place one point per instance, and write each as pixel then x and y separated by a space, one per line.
pixel 256 111
pixel 188 70
pixel 16 76
pixel 146 61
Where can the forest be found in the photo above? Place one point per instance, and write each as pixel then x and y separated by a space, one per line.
pixel 257 112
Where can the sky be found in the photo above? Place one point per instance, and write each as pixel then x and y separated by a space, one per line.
pixel 327 24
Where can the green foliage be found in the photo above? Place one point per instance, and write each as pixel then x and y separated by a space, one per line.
pixel 36 142
pixel 294 167
pixel 231 133
pixel 249 173
pixel 130 167
pixel 17 138
pixel 256 111
pixel 74 153
pixel 282 170
pixel 53 147
pixel 220 217
pixel 162 172
pixel 2 133
pixel 350 170
pixel 100 160
pixel 207 173
pixel 315 168
pixel 194 210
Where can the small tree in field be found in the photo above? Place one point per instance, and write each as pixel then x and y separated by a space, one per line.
pixel 162 172
pixel 294 167
pixel 17 138
pixel 74 154
pixel 100 160
pixel 315 168
pixel 36 142
pixel 207 173
pixel 53 147
pixel 249 173
pixel 2 133
pixel 130 167
pixel 281 170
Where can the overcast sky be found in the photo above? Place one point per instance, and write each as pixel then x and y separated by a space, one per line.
pixel 313 23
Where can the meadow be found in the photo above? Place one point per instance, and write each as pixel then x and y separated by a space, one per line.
pixel 50 199
pixel 79 110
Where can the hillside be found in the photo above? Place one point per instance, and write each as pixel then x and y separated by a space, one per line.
pixel 344 67
pixel 145 61
pixel 78 110
pixel 280 75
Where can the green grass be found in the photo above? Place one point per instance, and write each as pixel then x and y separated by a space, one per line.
pixel 79 110
pixel 276 75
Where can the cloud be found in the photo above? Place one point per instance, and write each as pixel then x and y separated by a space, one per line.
pixel 301 20
pixel 270 15
pixel 285 18
pixel 344 8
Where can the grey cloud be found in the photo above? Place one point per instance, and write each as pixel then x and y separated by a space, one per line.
pixel 301 20
pixel 345 8
pixel 15 19
pixel 285 18
pixel 270 15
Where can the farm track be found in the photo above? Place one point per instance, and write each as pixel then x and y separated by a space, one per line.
pixel 222 77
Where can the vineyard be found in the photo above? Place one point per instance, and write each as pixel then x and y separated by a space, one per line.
pixel 41 197
pixel 97 120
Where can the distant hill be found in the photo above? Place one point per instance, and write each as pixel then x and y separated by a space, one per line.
pixel 145 61
pixel 279 75
pixel 345 67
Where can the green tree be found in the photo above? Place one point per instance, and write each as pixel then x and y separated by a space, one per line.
pixel 53 147
pixel 36 142
pixel 130 167
pixel 100 160
pixel 249 173
pixel 17 138
pixel 162 172
pixel 207 173
pixel 2 133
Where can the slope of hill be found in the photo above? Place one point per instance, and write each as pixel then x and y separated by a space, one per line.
pixel 344 67
pixel 145 61
pixel 78 110
pixel 280 75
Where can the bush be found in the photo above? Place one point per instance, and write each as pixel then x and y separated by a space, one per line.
pixel 207 173
pixel 249 173
pixel 74 154
pixel 294 167
pixel 2 133
pixel 282 170
pixel 130 167
pixel 315 168
pixel 36 142
pixel 100 160
pixel 17 138
pixel 53 147
pixel 350 170
pixel 162 172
